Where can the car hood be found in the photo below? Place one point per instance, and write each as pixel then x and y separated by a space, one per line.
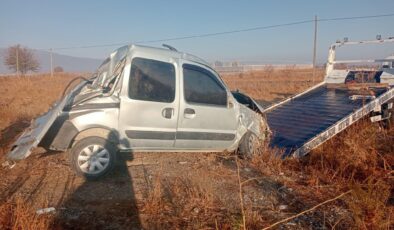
pixel 249 102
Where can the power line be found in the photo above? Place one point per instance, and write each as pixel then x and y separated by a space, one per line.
pixel 188 37
pixel 226 32
pixel 90 46
pixel 356 17
pixel 265 27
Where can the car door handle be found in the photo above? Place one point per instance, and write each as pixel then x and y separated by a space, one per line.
pixel 167 113
pixel 189 113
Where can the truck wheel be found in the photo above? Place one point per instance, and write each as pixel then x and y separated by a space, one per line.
pixel 249 145
pixel 93 157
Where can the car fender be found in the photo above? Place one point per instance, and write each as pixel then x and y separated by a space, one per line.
pixel 74 124
pixel 248 121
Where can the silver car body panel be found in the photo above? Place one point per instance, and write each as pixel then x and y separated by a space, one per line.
pixel 103 112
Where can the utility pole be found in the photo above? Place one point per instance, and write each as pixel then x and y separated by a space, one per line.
pixel 17 60
pixel 51 62
pixel 314 50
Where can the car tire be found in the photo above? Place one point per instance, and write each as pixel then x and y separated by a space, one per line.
pixel 249 145
pixel 93 157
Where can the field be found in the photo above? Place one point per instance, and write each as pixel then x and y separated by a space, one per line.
pixel 345 183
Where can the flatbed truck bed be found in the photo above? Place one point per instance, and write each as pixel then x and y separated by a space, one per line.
pixel 305 121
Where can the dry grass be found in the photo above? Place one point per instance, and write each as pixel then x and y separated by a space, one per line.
pixel 181 203
pixel 20 215
pixel 273 84
pixel 358 153
pixel 359 159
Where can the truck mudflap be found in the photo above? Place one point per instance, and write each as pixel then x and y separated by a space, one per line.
pixel 32 136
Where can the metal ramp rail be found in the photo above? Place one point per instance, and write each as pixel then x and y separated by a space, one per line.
pixel 305 121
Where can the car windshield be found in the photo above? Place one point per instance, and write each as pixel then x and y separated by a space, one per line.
pixel 108 70
pixel 101 73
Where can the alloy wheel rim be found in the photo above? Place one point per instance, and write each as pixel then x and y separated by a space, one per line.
pixel 252 144
pixel 93 159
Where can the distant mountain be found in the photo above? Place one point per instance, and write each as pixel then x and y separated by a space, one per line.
pixel 68 63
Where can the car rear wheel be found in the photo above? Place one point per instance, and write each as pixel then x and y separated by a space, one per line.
pixel 249 145
pixel 93 157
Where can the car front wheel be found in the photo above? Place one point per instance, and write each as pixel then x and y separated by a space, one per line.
pixel 249 145
pixel 93 157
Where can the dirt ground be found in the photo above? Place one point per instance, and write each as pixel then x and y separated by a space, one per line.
pixel 172 190
pixel 123 199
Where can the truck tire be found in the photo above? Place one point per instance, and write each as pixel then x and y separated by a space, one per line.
pixel 249 145
pixel 93 157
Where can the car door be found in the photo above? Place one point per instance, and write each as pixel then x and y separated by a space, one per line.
pixel 149 104
pixel 206 120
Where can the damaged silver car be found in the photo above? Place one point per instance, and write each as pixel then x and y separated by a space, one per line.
pixel 145 99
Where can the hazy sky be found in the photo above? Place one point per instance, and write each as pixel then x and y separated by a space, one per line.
pixel 45 24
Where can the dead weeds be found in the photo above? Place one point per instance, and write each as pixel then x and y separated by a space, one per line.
pixel 359 160
pixel 181 203
pixel 21 216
